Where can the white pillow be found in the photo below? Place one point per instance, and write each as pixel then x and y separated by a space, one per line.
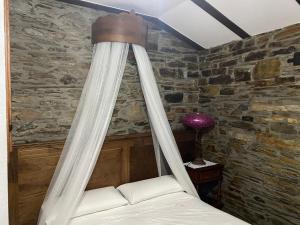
pixel 146 189
pixel 100 199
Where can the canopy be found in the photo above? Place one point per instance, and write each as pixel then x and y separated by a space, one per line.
pixel 89 128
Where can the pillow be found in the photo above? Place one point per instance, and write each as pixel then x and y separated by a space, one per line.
pixel 146 189
pixel 100 199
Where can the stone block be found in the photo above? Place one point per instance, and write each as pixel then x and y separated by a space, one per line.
pixel 284 51
pixel 263 40
pixel 267 68
pixel 237 45
pixel 231 62
pixel 169 50
pixel 133 112
pixel 167 72
pixel 202 81
pixel 222 79
pixel 152 46
pixel 68 79
pixel 255 56
pixel 275 44
pixel 192 66
pixel 192 98
pixel 249 43
pixel 218 71
pixel 204 99
pixel 242 51
pixel 176 64
pixel 227 91
pixel 284 80
pixel 174 97
pixel 291 31
pixel 206 73
pixel 242 125
pixel 283 128
pixel 242 74
pixel 264 83
pixel 247 118
pixel 216 49
pixel 212 90
pixel 180 73
pixel 239 109
pixel 193 74
pixel 190 58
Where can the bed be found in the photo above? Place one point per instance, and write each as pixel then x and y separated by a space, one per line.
pixel 178 208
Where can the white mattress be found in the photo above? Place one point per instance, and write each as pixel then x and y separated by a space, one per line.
pixel 172 209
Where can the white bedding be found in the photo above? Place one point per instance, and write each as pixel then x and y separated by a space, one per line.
pixel 172 209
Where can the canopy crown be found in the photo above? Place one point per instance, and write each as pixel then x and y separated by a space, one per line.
pixel 123 27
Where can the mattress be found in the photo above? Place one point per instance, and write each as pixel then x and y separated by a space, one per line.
pixel 172 209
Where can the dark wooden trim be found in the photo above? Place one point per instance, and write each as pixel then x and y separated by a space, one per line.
pixel 12 178
pixel 8 78
pixel 154 20
pixel 221 18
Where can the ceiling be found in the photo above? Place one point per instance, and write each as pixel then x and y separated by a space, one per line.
pixel 214 22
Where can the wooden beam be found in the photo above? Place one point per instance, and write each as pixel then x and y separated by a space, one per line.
pixel 154 20
pixel 221 18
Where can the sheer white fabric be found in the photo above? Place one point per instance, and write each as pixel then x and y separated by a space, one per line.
pixel 161 164
pixel 86 135
pixel 159 120
pixel 90 125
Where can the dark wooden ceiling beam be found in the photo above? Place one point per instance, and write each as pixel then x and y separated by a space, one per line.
pixel 154 20
pixel 221 18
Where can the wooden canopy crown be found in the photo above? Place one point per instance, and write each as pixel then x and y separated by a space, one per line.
pixel 124 27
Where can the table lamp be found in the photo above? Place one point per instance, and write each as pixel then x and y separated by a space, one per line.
pixel 202 123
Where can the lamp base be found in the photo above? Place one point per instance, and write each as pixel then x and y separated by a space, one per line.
pixel 198 161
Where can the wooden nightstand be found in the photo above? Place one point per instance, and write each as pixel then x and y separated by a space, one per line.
pixel 208 181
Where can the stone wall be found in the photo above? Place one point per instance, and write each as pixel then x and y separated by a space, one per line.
pixel 51 53
pixel 254 94
pixel 247 85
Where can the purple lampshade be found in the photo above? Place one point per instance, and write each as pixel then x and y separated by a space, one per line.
pixel 198 121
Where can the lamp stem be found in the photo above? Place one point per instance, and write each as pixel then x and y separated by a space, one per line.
pixel 198 146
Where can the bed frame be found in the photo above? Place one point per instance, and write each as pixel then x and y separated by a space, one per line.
pixel 123 159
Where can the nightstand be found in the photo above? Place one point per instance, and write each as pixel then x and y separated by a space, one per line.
pixel 208 181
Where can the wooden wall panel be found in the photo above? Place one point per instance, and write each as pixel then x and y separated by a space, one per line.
pixel 122 159
pixel 36 165
pixel 112 167
pixel 142 163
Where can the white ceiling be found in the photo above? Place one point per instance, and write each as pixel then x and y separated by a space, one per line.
pixel 154 8
pixel 253 16
pixel 259 16
pixel 197 25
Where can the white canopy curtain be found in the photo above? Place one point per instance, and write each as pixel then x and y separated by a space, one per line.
pixel 90 125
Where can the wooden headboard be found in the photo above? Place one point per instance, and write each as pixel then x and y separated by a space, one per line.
pixel 123 159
